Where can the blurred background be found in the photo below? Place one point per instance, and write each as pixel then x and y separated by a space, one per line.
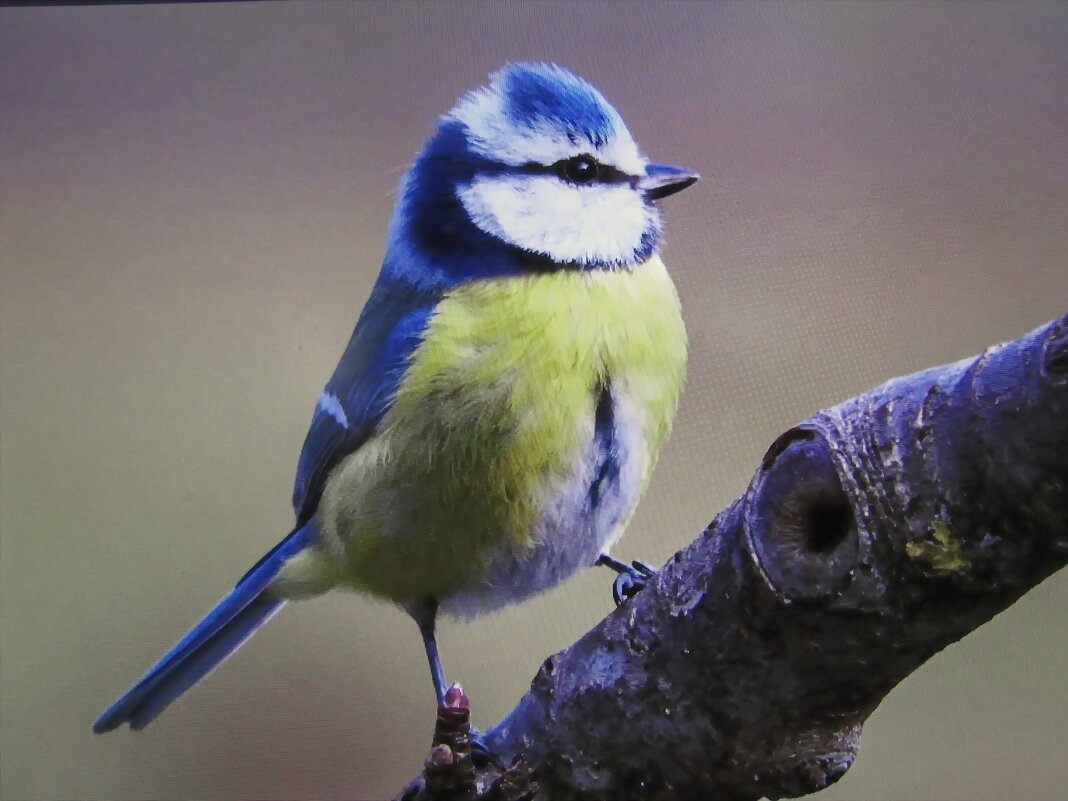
pixel 194 202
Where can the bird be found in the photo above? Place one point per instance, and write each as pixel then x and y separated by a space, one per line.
pixel 497 412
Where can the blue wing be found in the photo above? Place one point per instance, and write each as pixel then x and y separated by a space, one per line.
pixel 363 385
pixel 391 326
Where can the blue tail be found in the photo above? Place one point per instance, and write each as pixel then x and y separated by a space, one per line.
pixel 213 639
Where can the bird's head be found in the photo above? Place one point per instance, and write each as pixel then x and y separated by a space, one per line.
pixel 539 161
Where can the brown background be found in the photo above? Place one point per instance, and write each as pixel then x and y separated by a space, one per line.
pixel 194 204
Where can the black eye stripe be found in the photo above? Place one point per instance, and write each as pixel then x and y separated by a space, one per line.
pixel 606 173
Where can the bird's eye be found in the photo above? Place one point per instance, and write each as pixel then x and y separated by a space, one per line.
pixel 580 169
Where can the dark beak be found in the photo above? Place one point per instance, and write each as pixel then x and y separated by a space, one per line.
pixel 661 180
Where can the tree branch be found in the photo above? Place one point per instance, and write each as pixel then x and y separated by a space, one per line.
pixel 872 535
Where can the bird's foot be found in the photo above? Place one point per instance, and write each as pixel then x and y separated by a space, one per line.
pixel 630 583
pixel 630 579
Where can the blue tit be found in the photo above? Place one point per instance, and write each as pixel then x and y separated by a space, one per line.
pixel 498 410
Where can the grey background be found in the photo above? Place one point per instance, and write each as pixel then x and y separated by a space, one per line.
pixel 194 200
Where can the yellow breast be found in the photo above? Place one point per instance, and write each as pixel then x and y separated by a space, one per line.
pixel 494 409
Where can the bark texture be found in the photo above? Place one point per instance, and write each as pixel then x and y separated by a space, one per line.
pixel 872 535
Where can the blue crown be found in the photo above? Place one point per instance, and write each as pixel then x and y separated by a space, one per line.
pixel 539 95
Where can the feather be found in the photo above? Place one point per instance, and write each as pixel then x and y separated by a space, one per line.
pixel 233 620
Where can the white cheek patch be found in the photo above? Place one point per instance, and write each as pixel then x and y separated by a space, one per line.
pixel 540 213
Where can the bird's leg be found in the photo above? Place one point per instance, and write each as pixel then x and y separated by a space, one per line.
pixel 425 615
pixel 630 579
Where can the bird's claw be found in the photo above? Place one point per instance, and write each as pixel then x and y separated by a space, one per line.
pixel 631 581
